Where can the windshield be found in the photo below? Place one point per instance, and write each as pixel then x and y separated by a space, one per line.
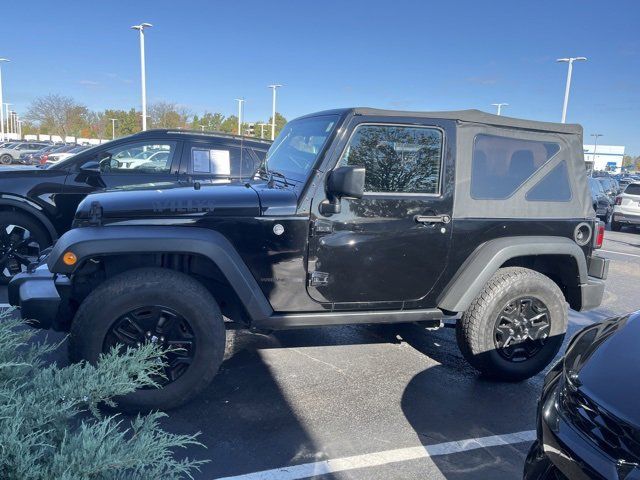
pixel 295 151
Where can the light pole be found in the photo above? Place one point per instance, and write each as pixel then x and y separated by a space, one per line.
pixel 113 128
pixel 7 118
pixel 143 79
pixel 240 110
pixel 2 137
pixel 273 87
pixel 570 61
pixel 262 125
pixel 595 149
pixel 20 129
pixel 499 106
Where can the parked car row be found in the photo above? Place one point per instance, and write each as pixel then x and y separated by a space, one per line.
pixel 11 152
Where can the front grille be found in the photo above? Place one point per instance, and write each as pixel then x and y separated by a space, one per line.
pixel 615 437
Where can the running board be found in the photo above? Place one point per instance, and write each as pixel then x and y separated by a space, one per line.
pixel 284 321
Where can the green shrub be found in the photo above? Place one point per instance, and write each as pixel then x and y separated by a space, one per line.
pixel 50 424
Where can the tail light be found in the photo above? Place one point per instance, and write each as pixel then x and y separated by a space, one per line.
pixel 599 238
pixel 618 200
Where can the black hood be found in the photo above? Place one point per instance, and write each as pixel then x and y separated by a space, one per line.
pixel 603 362
pixel 170 200
pixel 153 201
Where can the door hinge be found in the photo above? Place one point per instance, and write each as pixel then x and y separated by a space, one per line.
pixel 95 214
pixel 318 279
pixel 320 227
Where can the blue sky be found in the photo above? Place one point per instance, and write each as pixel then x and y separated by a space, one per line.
pixel 414 55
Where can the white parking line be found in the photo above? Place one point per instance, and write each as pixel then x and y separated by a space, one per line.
pixel 5 305
pixel 620 253
pixel 297 472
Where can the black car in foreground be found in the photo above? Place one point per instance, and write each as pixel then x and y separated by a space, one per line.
pixel 589 411
pixel 37 204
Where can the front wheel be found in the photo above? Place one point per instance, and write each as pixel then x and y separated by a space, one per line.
pixel 6 159
pixel 514 328
pixel 159 306
pixel 21 240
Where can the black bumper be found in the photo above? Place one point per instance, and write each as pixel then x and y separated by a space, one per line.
pixel 37 296
pixel 562 448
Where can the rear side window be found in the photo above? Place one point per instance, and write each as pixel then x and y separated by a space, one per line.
pixel 633 189
pixel 501 165
pixel 223 161
pixel 554 186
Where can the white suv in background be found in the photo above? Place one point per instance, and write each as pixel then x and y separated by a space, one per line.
pixel 626 210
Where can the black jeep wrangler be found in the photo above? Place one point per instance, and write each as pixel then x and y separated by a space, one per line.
pixel 358 216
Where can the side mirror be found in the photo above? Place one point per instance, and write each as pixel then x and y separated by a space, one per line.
pixel 343 182
pixel 90 167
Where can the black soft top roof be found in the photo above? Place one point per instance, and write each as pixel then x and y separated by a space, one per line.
pixel 470 116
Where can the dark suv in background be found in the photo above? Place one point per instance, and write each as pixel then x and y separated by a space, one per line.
pixel 38 204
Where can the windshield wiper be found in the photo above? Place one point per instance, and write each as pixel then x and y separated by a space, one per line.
pixel 279 175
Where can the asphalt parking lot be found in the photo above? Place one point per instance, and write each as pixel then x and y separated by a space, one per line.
pixel 374 402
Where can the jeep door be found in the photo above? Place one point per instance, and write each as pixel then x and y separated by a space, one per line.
pixel 391 246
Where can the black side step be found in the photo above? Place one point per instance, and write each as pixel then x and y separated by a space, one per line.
pixel 284 321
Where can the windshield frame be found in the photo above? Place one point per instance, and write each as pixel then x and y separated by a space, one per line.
pixel 286 175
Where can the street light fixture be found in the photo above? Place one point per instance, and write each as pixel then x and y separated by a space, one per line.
pixel 113 128
pixel 2 137
pixel 143 79
pixel 570 61
pixel 500 105
pixel 240 112
pixel 274 87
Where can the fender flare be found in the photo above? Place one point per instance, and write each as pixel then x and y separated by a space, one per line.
pixel 32 209
pixel 89 242
pixel 487 258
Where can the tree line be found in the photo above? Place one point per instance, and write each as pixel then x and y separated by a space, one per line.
pixel 63 116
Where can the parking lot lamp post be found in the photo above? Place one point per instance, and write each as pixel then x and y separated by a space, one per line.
pixel 143 79
pixel 6 118
pixel 13 122
pixel 570 61
pixel 2 137
pixel 499 106
pixel 20 129
pixel 113 128
pixel 595 148
pixel 240 111
pixel 262 125
pixel 274 87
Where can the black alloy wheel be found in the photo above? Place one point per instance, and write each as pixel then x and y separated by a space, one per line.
pixel 521 329
pixel 159 325
pixel 21 241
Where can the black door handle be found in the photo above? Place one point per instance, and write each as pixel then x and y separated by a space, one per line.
pixel 432 218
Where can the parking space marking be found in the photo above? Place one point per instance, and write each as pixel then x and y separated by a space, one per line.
pixel 305 470
pixel 620 253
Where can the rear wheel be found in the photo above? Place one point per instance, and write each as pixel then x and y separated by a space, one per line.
pixel 616 226
pixel 513 329
pixel 21 240
pixel 158 306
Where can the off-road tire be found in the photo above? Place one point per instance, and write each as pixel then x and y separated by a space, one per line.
pixel 145 287
pixel 615 226
pixel 6 159
pixel 37 230
pixel 475 330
